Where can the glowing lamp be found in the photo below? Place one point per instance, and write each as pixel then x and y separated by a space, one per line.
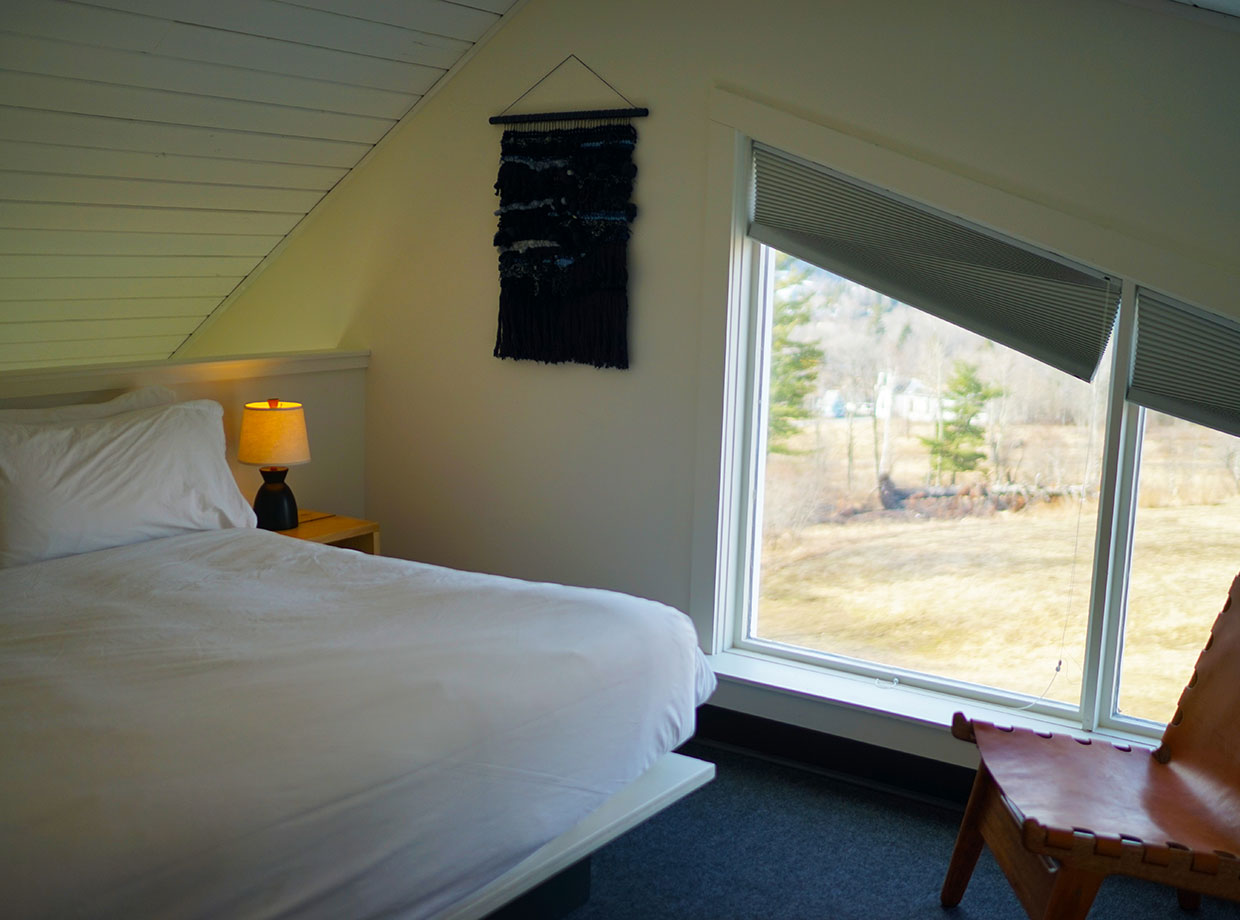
pixel 273 438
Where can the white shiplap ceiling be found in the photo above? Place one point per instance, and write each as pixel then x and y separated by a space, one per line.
pixel 153 152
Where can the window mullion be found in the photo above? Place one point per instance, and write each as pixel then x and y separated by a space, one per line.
pixel 1120 564
pixel 1116 506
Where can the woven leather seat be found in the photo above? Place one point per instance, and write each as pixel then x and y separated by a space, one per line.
pixel 1060 814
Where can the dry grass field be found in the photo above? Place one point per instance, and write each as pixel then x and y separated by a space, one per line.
pixel 997 597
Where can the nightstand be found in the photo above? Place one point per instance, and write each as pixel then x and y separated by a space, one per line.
pixel 336 530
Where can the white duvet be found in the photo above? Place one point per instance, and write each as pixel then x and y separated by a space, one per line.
pixel 239 724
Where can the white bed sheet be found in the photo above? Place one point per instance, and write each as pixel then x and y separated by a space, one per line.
pixel 239 724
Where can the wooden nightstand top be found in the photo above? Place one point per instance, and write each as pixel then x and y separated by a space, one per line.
pixel 336 530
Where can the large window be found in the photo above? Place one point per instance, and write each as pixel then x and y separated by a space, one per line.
pixel 954 479
pixel 928 497
pixel 1186 548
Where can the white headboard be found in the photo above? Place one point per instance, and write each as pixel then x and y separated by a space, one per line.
pixel 331 384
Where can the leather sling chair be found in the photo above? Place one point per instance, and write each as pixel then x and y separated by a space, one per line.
pixel 1060 813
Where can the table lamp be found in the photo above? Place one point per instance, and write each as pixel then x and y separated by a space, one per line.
pixel 273 438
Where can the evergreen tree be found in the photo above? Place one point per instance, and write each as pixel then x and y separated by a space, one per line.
pixel 955 449
pixel 795 364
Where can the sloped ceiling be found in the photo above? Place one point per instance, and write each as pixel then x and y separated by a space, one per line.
pixel 1230 7
pixel 153 152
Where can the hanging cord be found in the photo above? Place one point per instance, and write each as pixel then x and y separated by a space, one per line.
pixel 571 57
pixel 590 115
pixel 1080 511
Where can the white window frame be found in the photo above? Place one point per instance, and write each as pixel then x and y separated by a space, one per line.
pixel 793 686
pixel 1110 558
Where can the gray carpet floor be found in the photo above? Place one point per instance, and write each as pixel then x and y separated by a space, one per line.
pixel 767 841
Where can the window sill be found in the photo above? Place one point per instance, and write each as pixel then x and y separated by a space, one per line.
pixel 904 718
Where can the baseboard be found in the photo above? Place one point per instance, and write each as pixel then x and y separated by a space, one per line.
pixel 855 761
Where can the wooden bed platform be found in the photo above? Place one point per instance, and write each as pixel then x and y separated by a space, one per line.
pixel 672 777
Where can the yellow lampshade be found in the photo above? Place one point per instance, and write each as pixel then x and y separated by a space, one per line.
pixel 273 433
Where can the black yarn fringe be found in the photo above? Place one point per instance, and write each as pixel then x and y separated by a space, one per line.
pixel 563 244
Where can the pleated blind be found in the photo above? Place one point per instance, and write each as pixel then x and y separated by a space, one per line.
pixel 1047 309
pixel 1187 363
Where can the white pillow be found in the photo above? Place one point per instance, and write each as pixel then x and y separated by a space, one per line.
pixel 134 399
pixel 77 486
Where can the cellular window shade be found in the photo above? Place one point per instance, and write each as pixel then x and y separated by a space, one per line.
pixel 1187 363
pixel 1045 308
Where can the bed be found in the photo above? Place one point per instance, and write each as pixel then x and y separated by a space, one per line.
pixel 205 719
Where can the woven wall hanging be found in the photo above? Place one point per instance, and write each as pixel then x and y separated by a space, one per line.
pixel 565 183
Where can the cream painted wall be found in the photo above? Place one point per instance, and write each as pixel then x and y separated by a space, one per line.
pixel 585 476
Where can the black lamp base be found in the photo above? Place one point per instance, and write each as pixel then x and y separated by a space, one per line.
pixel 274 504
